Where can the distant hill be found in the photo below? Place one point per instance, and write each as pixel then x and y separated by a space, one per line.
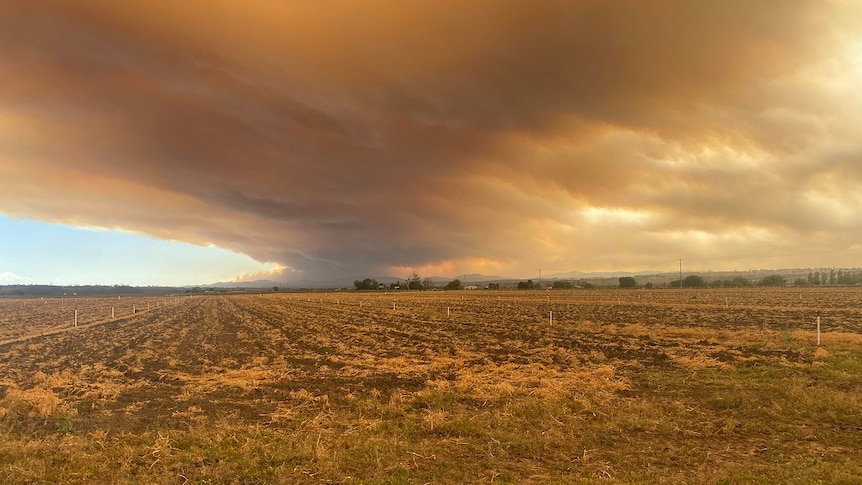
pixel 269 284
pixel 600 278
pixel 479 278
pixel 83 290
pixel 597 274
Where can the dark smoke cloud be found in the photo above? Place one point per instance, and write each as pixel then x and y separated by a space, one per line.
pixel 344 138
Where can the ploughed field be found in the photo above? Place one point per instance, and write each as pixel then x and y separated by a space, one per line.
pixel 627 386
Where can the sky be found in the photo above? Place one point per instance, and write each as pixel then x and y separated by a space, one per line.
pixel 298 140
pixel 57 254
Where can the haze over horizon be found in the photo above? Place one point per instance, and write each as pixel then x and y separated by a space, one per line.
pixel 202 141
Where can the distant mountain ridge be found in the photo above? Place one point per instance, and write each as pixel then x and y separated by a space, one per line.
pixel 470 278
pixel 248 284
pixel 599 277
pixel 598 274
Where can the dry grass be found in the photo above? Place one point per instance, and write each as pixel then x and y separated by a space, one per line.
pixel 32 403
pixel 627 387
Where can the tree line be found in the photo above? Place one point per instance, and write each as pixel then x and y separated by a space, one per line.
pixel 815 278
pixel 413 282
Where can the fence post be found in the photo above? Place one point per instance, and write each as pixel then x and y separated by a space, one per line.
pixel 818 329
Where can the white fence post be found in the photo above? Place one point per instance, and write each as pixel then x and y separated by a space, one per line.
pixel 818 329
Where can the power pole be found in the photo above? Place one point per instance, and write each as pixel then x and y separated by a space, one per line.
pixel 680 273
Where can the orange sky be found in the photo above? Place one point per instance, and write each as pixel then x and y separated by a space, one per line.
pixel 339 138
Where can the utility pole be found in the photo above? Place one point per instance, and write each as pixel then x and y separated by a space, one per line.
pixel 680 273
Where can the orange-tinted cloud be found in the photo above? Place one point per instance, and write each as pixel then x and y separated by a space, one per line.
pixel 345 138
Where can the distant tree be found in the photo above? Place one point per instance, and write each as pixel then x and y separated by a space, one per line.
pixel 427 284
pixel 628 282
pixel 740 281
pixel 366 284
pixel 649 286
pixel 773 280
pixel 800 282
pixel 454 285
pixel 562 285
pixel 493 286
pixel 848 278
pixel 414 282
pixel 275 289
pixel 526 285
pixel 693 281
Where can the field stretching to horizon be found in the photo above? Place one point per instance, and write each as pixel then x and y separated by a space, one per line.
pixel 574 386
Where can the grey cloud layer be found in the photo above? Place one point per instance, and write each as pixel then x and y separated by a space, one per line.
pixel 345 138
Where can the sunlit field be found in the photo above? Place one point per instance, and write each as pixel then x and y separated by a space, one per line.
pixel 573 386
